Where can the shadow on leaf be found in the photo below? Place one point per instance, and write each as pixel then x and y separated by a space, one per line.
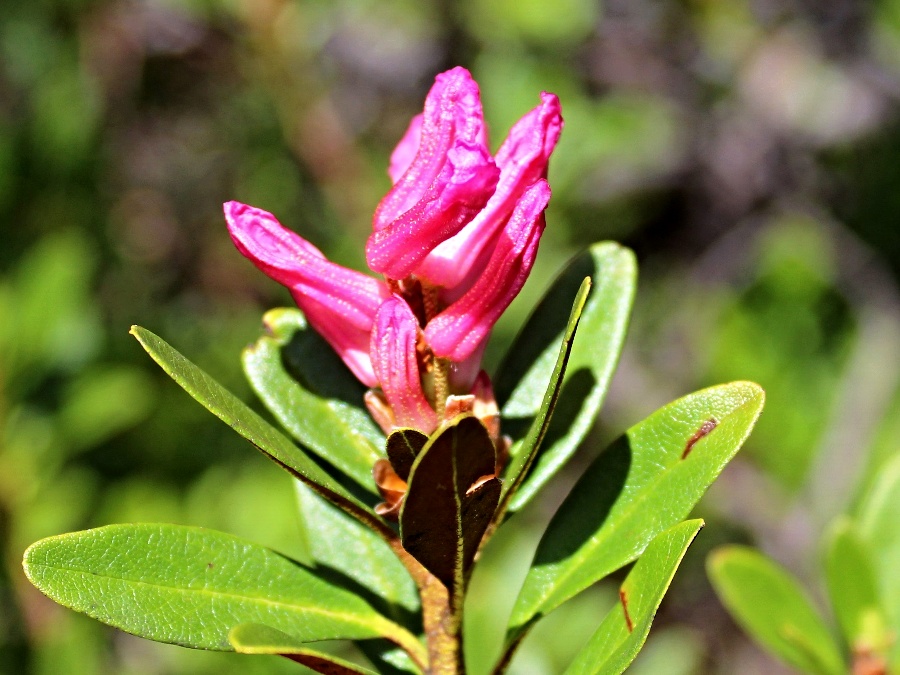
pixel 314 364
pixel 588 505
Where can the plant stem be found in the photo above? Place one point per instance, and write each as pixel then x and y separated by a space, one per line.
pixel 441 385
pixel 442 618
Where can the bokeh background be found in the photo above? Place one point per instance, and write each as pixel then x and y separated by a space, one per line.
pixel 746 149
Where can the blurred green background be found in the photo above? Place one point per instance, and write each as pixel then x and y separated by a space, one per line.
pixel 746 149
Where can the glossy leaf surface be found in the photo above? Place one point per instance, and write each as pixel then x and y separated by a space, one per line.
pixel 523 378
pixel 772 608
pixel 644 483
pixel 254 638
pixel 624 630
pixel 191 586
pixel 236 414
pixel 313 395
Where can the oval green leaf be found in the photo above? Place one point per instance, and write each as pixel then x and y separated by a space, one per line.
pixel 644 483
pixel 236 414
pixel 254 638
pixel 190 586
pixel 624 630
pixel 853 590
pixel 313 395
pixel 522 380
pixel 771 606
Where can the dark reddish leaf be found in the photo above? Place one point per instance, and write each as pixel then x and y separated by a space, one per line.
pixel 452 495
pixel 403 445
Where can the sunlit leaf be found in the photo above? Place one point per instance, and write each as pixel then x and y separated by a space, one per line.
pixel 313 395
pixel 235 413
pixel 624 630
pixel 644 483
pixel 191 586
pixel 253 638
pixel 523 378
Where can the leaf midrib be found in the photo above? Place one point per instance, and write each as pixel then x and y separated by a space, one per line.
pixel 379 621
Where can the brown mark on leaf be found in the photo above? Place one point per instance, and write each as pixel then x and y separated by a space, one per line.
pixel 210 565
pixel 704 430
pixel 623 598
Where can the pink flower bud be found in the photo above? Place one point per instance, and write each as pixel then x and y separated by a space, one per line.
pixel 459 330
pixel 396 364
pixel 522 159
pixel 448 182
pixel 339 303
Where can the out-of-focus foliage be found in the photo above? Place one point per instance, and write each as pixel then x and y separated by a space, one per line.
pixel 746 149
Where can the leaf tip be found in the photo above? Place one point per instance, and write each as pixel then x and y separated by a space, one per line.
pixel 26 561
pixel 140 334
pixel 752 389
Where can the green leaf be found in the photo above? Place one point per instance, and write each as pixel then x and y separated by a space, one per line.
pixel 853 590
pixel 524 457
pixel 313 395
pixel 771 606
pixel 235 413
pixel 343 545
pixel 877 519
pixel 191 586
pixel 451 498
pixel 644 483
pixel 253 638
pixel 522 380
pixel 624 630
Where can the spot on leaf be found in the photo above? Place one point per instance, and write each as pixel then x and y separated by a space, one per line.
pixel 704 430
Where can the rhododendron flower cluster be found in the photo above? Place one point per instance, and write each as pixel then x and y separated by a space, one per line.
pixel 455 239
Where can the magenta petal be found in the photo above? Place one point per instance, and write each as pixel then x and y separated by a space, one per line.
pixel 462 328
pixel 339 303
pixel 522 159
pixel 393 353
pixel 406 149
pixel 448 182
